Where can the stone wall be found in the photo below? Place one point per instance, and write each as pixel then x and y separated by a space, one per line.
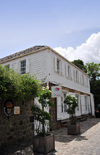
pixel 18 127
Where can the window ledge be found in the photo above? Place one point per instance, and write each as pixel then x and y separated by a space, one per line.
pixel 58 73
pixel 69 78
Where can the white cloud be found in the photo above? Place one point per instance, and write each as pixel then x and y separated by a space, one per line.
pixel 88 51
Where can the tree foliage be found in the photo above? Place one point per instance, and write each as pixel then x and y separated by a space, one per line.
pixel 79 63
pixel 39 113
pixel 17 87
pixel 72 103
pixel 93 70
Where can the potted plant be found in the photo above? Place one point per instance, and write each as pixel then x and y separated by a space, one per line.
pixel 74 126
pixel 44 141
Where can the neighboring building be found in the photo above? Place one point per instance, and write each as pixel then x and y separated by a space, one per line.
pixel 52 68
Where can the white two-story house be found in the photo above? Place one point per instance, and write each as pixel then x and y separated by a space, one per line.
pixel 52 68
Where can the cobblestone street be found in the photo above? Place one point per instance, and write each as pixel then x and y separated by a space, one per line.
pixel 87 143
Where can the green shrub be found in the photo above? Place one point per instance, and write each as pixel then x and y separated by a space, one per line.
pixel 18 87
pixel 39 113
pixel 72 103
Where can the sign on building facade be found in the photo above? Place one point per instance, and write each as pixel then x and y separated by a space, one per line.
pixel 8 107
pixel 56 91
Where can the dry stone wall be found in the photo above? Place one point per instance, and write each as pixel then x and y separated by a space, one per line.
pixel 16 128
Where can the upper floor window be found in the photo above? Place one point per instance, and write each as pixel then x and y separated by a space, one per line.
pixel 7 66
pixel 23 67
pixel 58 66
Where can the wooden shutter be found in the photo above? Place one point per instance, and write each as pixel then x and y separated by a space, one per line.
pixel 59 113
pixel 88 82
pixel 83 104
pixel 62 68
pixel 66 70
pixel 89 107
pixel 27 65
pixel 11 66
pixel 75 75
pixel 55 64
pixel 78 75
pixel 15 67
pixel 72 73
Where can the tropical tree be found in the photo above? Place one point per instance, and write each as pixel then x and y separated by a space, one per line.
pixel 79 63
pixel 16 86
pixel 93 70
pixel 39 112
pixel 72 103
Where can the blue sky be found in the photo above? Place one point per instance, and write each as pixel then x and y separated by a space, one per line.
pixel 59 24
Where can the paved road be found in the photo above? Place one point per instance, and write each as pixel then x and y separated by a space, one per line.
pixel 87 143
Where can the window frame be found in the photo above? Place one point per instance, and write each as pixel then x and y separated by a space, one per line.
pixel 21 67
pixel 58 66
pixel 7 66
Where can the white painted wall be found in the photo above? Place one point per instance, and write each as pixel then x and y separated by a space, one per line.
pixel 43 64
pixel 62 78
pixel 92 105
pixel 35 64
pixel 80 84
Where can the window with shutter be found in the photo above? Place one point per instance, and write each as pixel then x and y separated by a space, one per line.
pixel 7 66
pixel 23 67
pixel 58 66
pixel 82 80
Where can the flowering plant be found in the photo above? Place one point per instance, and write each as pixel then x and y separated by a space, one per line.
pixel 38 112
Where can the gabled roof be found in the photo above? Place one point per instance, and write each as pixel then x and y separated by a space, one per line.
pixel 32 50
pixel 21 53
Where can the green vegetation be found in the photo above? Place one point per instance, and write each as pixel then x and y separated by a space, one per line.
pixel 79 63
pixel 17 87
pixel 72 103
pixel 93 71
pixel 39 112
